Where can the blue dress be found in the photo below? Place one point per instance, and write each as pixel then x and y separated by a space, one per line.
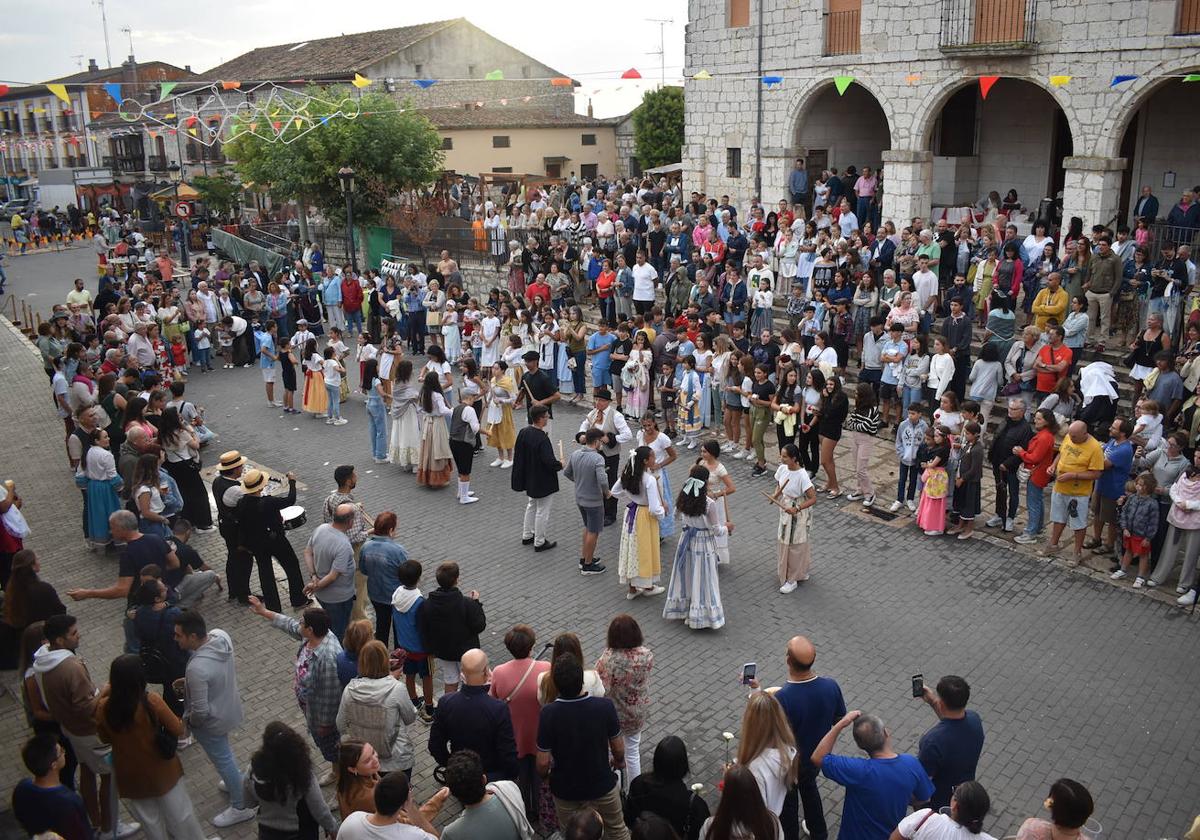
pixel 694 594
pixel 100 482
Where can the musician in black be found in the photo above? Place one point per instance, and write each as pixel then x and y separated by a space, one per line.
pixel 261 532
pixel 538 387
pixel 227 491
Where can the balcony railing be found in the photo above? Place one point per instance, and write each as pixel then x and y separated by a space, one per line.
pixel 988 26
pixel 842 32
pixel 158 163
pixel 1189 18
pixel 130 164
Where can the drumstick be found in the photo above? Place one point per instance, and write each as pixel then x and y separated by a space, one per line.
pixel 775 501
pixel 561 457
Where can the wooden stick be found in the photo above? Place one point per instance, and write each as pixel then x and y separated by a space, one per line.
pixel 775 502
pixel 561 456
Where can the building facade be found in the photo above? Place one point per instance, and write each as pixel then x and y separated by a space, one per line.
pixel 915 105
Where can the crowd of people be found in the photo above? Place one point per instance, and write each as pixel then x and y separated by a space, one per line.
pixel 677 325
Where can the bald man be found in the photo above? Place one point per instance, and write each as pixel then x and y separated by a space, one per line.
pixel 1079 463
pixel 812 704
pixel 471 719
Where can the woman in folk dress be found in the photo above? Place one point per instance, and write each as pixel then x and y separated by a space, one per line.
pixel 316 398
pixel 720 485
pixel 404 441
pixel 635 376
pixel 502 432
pixel 690 395
pixel 639 562
pixel 435 463
pixel 694 595
pixel 664 456
pixel 794 494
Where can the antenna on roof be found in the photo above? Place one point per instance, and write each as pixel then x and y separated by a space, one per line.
pixel 78 60
pixel 662 48
pixel 104 26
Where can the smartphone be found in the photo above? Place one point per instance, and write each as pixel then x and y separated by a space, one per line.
pixel 749 672
pixel 918 685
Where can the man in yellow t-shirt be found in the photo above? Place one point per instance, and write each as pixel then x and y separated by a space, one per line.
pixel 1051 302
pixel 1079 463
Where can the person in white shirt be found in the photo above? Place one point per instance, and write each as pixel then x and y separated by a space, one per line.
pixel 925 286
pixel 397 816
pixel 847 221
pixel 301 336
pixel 645 284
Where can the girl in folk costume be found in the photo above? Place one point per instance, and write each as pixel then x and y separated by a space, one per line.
pixel 690 394
pixel 794 494
pixel 99 468
pixel 664 456
pixel 501 431
pixel 931 512
pixel 451 337
pixel 635 376
pixel 694 594
pixel 434 461
pixel 404 441
pixel 639 562
pixel 340 352
pixel 316 399
pixel 720 485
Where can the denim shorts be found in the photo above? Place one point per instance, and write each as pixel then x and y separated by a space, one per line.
pixel 1069 510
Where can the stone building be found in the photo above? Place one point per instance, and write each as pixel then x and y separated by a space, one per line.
pixel 915 104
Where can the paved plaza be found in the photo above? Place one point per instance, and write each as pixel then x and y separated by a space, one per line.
pixel 1072 676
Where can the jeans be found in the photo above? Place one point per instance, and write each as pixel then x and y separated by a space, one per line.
pixel 608 308
pixel 377 420
pixel 906 487
pixel 339 615
pixel 217 748
pixel 804 795
pixel 354 321
pixel 862 209
pixel 537 518
pixel 1008 492
pixel 203 357
pixel 1035 501
pixel 577 375
pixel 334 393
pixel 910 396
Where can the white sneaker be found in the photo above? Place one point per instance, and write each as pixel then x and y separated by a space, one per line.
pixel 788 588
pixel 912 505
pixel 1179 590
pixel 328 421
pixel 466 500
pixel 895 506
pixel 654 590
pixel 381 460
pixel 1121 573
pixel 1139 583
pixel 739 455
pixel 691 444
pixel 748 454
pixel 341 421
pixel 1187 599
pixel 233 816
pixel 124 829
pixel 505 465
pixel 869 501
pixel 1025 539
pixel 496 463
pixel 1010 525
pixel 278 404
pixel 184 743
pixel 853 496
pixel 994 521
pixel 221 786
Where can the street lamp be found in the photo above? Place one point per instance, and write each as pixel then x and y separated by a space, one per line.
pixel 346 176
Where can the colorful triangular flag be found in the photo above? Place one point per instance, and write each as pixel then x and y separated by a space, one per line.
pixel 631 73
pixel 360 81
pixel 912 78
pixel 230 85
pixel 60 91
pixel 772 81
pixel 1192 77
pixel 166 89
pixel 113 89
pixel 985 85
pixel 702 76
pixel 841 83
pixel 561 81
pixel 424 84
pixel 1060 81
pixel 495 76
pixel 3 89
pixel 1120 80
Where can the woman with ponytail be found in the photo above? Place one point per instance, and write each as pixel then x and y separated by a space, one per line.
pixel 969 804
pixel 639 561
pixel 694 594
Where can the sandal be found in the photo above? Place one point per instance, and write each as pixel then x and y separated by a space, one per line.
pixel 833 494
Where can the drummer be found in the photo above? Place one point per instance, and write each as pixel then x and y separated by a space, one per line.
pixel 261 531
pixel 227 491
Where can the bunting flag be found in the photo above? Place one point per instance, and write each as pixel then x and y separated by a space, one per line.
pixel 60 91
pixel 494 76
pixel 191 121
pixel 3 89
pixel 702 76
pixel 276 125
pixel 1120 80
pixel 166 89
pixel 96 114
pixel 1192 77
pixel 323 120
pixel 631 73
pixel 298 122
pixel 169 116
pixel 841 83
pixel 360 81
pixel 503 101
pixel 1060 81
pixel 985 85
pixel 912 78
pixel 560 81
pixel 424 84
pixel 192 131
pixel 230 85
pixel 772 81
pixel 113 89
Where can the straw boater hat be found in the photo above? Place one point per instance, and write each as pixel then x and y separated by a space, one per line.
pixel 253 482
pixel 231 461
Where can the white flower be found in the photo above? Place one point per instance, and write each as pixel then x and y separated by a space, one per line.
pixel 696 788
pixel 728 736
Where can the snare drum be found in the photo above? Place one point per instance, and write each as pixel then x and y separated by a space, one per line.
pixel 293 517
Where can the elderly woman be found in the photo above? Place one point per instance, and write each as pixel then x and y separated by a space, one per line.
pixel 435 303
pixel 1019 362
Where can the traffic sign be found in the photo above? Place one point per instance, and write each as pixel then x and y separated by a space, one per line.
pixel 183 209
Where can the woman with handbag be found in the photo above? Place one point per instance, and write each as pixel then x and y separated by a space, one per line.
pixel 181 449
pixel 144 735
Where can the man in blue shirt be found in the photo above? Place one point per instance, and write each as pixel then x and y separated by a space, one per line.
pixel 879 787
pixel 267 357
pixel 798 184
pixel 949 751
pixel 44 803
pixel 1118 461
pixel 812 705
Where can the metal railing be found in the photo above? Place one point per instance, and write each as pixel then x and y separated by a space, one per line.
pixel 158 163
pixel 842 31
pixel 1161 232
pixel 990 24
pixel 1189 18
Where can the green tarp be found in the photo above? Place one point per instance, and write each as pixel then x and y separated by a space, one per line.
pixel 379 243
pixel 242 251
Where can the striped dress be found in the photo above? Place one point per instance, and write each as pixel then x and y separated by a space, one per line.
pixel 694 594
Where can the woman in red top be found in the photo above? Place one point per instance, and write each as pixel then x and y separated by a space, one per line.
pixel 538 288
pixel 1036 458
pixel 604 291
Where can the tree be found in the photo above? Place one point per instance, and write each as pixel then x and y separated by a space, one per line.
pixel 658 127
pixel 383 145
pixel 220 193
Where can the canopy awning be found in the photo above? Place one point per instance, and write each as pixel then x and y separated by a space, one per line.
pixel 182 191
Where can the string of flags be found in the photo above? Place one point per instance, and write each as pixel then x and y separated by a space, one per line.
pixel 843 82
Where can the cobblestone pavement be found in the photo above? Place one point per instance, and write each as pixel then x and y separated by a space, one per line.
pixel 1072 676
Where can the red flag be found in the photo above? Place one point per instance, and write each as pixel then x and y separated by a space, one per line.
pixel 985 84
pixel 631 73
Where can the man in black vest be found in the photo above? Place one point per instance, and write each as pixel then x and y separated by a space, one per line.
pixel 227 491
pixel 535 473
pixel 538 387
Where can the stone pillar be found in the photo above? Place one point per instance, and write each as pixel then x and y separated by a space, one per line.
pixel 907 185
pixel 1092 189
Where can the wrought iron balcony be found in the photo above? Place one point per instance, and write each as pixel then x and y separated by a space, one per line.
pixel 988 27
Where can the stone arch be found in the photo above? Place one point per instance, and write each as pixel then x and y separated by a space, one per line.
pixel 1134 95
pixel 931 107
pixel 853 128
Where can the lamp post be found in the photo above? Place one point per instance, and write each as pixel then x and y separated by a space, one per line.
pixel 346 175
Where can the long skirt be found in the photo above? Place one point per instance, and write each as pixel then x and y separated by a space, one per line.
pixel 636 400
pixel 435 464
pixel 763 319
pixel 639 564
pixel 452 341
pixel 689 417
pixel 404 442
pixel 516 281
pixel 503 435
pixel 795 556
pixel 694 595
pixel 102 502
pixel 196 508
pixel 316 398
pixel 931 512
pixel 666 524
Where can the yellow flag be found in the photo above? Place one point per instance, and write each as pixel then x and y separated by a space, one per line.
pixel 703 75
pixel 1060 81
pixel 60 91
pixel 360 81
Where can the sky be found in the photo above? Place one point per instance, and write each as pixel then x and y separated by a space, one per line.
pixel 591 42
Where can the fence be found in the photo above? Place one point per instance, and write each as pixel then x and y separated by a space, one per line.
pixel 842 31
pixel 1160 233
pixel 982 23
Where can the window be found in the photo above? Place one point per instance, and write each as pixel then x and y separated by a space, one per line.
pixel 733 163
pixel 502 169
pixel 471 71
pixel 417 70
pixel 499 141
pixel 447 143
pixel 738 12
pixel 588 140
pixel 589 171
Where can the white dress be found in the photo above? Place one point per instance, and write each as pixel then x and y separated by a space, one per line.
pixel 694 594
pixel 490 354
pixel 660 445
pixel 404 440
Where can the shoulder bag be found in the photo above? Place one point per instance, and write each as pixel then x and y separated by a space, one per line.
pixel 164 742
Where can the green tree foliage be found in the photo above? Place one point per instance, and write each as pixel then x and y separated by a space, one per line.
pixel 220 194
pixel 658 127
pixel 390 151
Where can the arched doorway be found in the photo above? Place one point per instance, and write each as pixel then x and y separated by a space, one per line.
pixel 1158 143
pixel 842 131
pixel 1015 139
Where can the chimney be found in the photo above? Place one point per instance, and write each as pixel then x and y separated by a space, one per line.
pixel 589 107
pixel 187 68
pixel 93 67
